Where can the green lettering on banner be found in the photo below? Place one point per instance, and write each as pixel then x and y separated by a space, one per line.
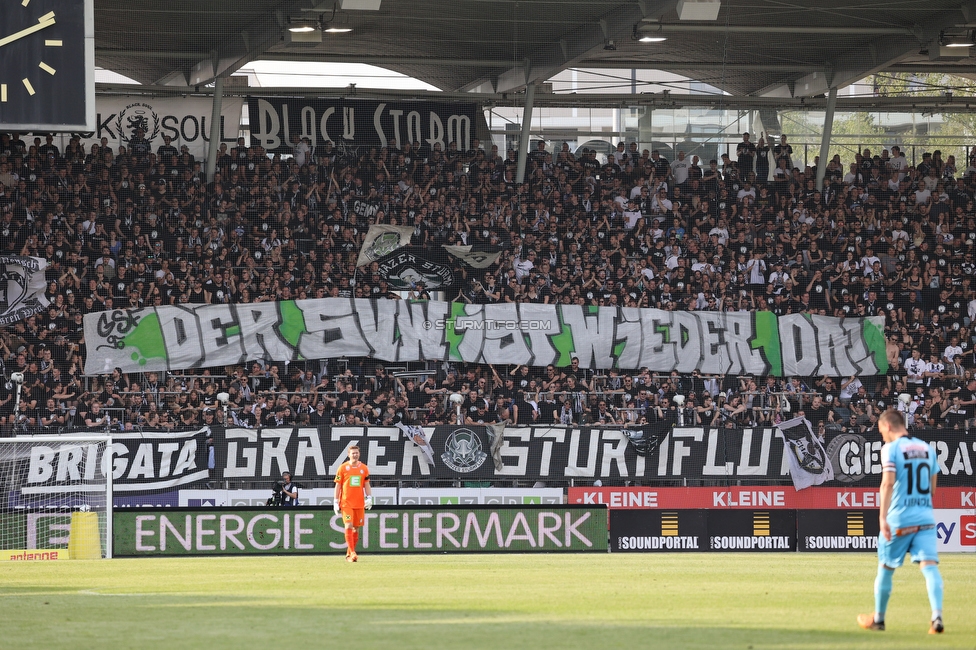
pixel 450 335
pixel 292 322
pixel 664 331
pixel 183 336
pixel 563 342
pixel 766 338
pixel 264 531
pixel 874 339
pixel 146 340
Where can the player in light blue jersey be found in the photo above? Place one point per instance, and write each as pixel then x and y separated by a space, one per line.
pixel 907 521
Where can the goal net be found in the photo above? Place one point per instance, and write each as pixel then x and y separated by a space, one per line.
pixel 56 498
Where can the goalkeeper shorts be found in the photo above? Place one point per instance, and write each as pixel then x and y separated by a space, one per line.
pixel 355 516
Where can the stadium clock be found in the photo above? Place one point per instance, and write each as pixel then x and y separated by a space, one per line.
pixel 47 65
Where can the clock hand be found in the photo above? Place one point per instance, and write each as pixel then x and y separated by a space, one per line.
pixel 26 32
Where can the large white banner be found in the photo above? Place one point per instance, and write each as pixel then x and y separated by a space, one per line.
pixel 185 119
pixel 756 343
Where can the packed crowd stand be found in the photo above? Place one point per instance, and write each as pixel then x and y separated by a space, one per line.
pixel 133 227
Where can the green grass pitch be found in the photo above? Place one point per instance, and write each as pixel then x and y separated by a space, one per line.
pixel 717 600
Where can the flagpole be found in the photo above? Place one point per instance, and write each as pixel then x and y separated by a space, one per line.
pixel 18 379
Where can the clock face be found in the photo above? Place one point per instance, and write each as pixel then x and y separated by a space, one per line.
pixel 46 71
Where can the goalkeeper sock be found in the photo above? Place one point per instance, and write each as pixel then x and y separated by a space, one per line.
pixel 355 538
pixel 350 544
pixel 933 584
pixel 882 591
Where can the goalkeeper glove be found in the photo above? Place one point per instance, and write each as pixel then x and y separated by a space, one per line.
pixel 369 502
pixel 335 506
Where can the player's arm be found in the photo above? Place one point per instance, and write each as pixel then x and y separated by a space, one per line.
pixel 368 491
pixel 887 489
pixel 337 494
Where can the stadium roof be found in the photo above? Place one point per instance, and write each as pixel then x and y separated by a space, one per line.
pixel 755 48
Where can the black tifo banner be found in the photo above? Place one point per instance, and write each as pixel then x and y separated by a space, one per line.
pixel 560 453
pixel 649 531
pixel 144 462
pixel 354 124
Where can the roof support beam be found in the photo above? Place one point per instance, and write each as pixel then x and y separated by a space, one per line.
pixel 937 104
pixel 386 61
pixel 577 44
pixel 150 54
pixel 218 96
pixel 675 28
pixel 846 68
pixel 263 33
pixel 669 66
pixel 523 152
pixel 828 129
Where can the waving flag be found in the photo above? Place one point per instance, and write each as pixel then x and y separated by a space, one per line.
pixel 473 258
pixel 809 464
pixel 22 285
pixel 381 240
pixel 419 438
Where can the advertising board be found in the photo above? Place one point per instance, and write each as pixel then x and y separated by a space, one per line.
pixel 658 530
pixel 837 530
pixel 272 531
pixel 767 498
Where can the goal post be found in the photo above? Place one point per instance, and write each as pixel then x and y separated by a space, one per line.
pixel 56 497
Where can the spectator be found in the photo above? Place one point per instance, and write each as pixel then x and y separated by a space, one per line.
pixel 138 229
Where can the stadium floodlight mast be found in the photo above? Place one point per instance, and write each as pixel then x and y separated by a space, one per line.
pixel 457 399
pixel 18 379
pixel 905 398
pixel 679 401
pixel 224 399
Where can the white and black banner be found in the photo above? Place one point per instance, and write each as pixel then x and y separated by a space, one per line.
pixel 808 460
pixel 157 462
pixel 544 453
pixel 185 119
pixel 355 124
pixel 139 462
pixel 409 267
pixel 759 343
pixel 22 285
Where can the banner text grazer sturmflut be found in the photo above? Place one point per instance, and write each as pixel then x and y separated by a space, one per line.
pixel 755 455
pixel 144 463
pixel 759 343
